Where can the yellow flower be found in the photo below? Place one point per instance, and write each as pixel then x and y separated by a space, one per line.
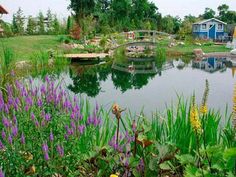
pixel 114 175
pixel 203 109
pixel 234 108
pixel 194 119
pixel 115 108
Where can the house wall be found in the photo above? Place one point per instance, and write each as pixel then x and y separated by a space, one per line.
pixel 200 32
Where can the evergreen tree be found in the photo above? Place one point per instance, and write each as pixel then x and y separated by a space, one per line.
pixel 14 25
pixel 69 24
pixel 49 22
pixel 18 22
pixel 56 25
pixel 31 26
pixel 41 26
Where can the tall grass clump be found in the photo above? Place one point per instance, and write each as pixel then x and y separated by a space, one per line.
pixel 160 56
pixel 120 55
pixel 6 65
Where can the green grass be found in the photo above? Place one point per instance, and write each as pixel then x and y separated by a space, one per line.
pixel 25 46
pixel 188 49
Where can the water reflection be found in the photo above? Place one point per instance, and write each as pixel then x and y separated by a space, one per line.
pixel 210 64
pixel 133 74
pixel 87 78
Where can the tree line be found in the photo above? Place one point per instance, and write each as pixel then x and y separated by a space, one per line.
pixel 42 24
pixel 105 16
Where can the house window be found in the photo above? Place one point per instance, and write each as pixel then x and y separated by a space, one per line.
pixel 195 27
pixel 204 26
pixel 220 26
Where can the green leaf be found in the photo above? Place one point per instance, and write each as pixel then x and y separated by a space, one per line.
pixel 153 164
pixel 230 153
pixel 185 159
pixel 165 166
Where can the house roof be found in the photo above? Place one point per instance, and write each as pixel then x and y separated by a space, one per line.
pixel 205 21
pixel 2 10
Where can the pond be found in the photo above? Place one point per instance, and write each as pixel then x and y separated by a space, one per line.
pixel 150 86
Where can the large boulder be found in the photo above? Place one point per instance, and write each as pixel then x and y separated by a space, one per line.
pixel 233 52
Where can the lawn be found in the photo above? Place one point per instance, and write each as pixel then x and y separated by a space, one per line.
pixel 25 46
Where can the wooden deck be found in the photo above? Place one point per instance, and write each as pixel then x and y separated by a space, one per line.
pixel 86 56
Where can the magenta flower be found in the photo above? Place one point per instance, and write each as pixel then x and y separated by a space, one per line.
pixel 1 145
pixel 3 134
pixel 60 150
pixel 1 173
pixel 47 117
pixel 81 129
pixel 46 156
pixel 10 139
pixel 45 147
pixel 51 137
pixel 22 139
pixel 5 122
pixel 14 131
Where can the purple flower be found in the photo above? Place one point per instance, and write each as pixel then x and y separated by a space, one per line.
pixel 14 119
pixel 32 116
pixel 141 166
pixel 46 156
pixel 40 103
pixel 6 108
pixel 22 139
pixel 60 150
pixel 14 131
pixel 1 173
pixel 45 147
pixel 3 134
pixel 72 124
pixel 5 122
pixel 1 145
pixel 10 139
pixel 12 73
pixel 43 89
pixel 47 117
pixel 51 137
pixel 81 129
pixel 36 123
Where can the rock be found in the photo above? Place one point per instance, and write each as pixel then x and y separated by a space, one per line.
pixel 233 52
pixel 199 44
pixel 198 52
pixel 23 64
pixel 181 43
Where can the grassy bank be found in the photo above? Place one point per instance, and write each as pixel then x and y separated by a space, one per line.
pixel 46 132
pixel 25 46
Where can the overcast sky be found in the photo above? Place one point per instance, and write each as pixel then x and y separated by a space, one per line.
pixel 172 7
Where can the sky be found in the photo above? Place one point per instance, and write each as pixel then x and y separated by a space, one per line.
pixel 173 7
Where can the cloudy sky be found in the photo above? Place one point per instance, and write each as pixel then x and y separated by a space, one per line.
pixel 172 7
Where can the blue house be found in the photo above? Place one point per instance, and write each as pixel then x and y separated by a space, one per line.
pixel 209 29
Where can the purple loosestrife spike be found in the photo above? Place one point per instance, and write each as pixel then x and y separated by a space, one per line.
pixel 60 150
pixel 14 119
pixel 10 139
pixel 27 108
pixel 40 103
pixel 66 137
pixel 47 117
pixel 1 145
pixel 32 116
pixel 51 137
pixel 14 131
pixel 72 116
pixel 22 138
pixel 6 108
pixel 47 79
pixel 5 122
pixel 72 124
pixel 43 123
pixel 3 134
pixel 81 129
pixel 46 156
pixel 12 73
pixel 1 173
pixel 45 147
pixel 43 89
pixel 36 123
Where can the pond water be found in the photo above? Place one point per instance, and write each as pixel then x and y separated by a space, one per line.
pixel 152 86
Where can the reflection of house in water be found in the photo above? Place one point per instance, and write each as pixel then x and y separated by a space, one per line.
pixel 142 66
pixel 210 64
